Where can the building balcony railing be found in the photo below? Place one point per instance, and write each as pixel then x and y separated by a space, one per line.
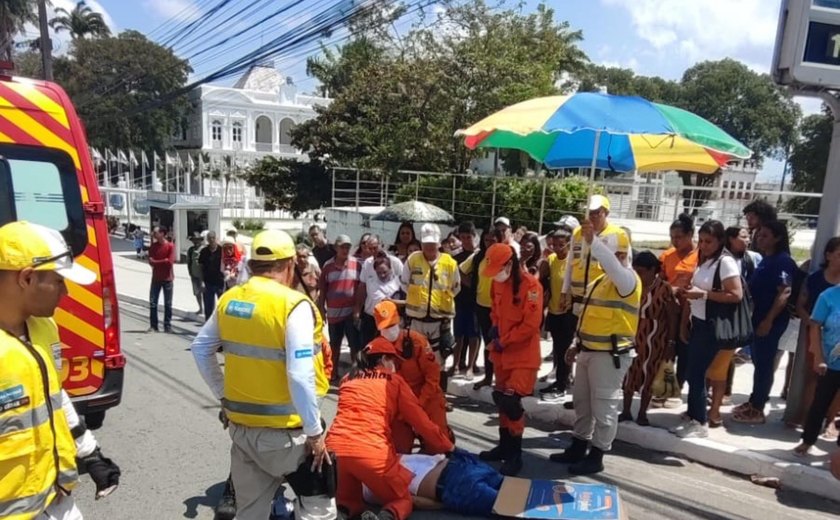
pixel 264 147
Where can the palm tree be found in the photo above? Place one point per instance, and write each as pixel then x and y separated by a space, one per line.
pixel 80 22
pixel 14 15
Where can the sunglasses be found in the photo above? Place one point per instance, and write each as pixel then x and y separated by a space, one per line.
pixel 38 261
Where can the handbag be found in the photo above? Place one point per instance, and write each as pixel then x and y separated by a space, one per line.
pixel 731 322
pixel 665 384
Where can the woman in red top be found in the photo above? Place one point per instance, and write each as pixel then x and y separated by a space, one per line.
pixel 370 399
pixel 516 314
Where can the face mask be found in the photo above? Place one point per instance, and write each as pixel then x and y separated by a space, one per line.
pixel 391 333
pixel 502 276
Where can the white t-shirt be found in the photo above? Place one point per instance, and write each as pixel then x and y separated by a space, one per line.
pixel 419 465
pixel 377 290
pixel 704 277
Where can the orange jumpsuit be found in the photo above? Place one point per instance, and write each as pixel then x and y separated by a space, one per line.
pixel 369 401
pixel 422 373
pixel 516 366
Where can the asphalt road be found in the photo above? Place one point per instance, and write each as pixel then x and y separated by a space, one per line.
pixel 174 455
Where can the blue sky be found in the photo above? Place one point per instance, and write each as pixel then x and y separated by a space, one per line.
pixel 652 37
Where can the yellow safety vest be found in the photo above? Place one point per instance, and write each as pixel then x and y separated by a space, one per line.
pixel 579 256
pixel 252 326
pixel 607 313
pixel 557 271
pixel 430 289
pixel 37 451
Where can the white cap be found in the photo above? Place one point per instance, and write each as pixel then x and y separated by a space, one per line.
pixel 502 220
pixel 568 220
pixel 430 234
pixel 599 201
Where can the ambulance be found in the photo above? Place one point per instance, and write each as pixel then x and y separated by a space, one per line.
pixel 47 177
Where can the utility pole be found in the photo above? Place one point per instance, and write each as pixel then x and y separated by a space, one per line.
pixel 46 43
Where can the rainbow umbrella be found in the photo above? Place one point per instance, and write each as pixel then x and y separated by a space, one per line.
pixel 620 133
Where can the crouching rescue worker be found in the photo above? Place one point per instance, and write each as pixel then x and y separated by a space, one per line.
pixel 43 442
pixel 604 351
pixel 274 375
pixel 418 367
pixel 516 314
pixel 370 399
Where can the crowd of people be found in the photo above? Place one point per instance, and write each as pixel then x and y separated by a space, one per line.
pixel 416 313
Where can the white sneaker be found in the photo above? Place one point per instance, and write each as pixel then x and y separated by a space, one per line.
pixel 693 430
pixel 684 421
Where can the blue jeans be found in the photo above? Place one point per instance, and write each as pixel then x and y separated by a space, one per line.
pixel 764 357
pixel 211 293
pixel 154 296
pixel 702 349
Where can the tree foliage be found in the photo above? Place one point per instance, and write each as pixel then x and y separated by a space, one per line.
pixel 809 160
pixel 290 184
pixel 14 15
pixel 109 76
pixel 80 22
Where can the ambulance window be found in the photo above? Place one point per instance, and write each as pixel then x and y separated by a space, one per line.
pixel 40 185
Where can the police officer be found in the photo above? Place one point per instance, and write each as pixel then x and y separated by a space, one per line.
pixel 274 375
pixel 431 280
pixel 604 351
pixel 44 442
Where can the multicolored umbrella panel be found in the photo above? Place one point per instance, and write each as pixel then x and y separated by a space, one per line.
pixel 631 133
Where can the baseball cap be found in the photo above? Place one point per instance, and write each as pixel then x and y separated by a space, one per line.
pixel 430 234
pixel 497 256
pixel 599 201
pixel 568 221
pixel 502 220
pixel 272 244
pixel 386 315
pixel 380 345
pixel 343 240
pixel 618 242
pixel 23 244
pixel 228 241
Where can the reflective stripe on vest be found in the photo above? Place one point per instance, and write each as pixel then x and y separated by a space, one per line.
pixel 28 506
pixel 258 409
pixel 430 287
pixel 607 315
pixel 580 261
pixel 254 352
pixel 31 418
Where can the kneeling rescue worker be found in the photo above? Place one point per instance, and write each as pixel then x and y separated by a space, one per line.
pixel 370 399
pixel 418 367
pixel 42 439
pixel 604 351
pixel 516 314
pixel 274 375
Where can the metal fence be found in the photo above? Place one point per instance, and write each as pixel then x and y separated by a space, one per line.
pixel 536 201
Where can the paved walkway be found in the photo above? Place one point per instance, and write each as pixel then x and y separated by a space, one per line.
pixel 764 450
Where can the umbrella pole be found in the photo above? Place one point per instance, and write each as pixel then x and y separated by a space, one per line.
pixel 593 166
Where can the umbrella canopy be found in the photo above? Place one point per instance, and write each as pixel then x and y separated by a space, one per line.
pixel 414 211
pixel 631 133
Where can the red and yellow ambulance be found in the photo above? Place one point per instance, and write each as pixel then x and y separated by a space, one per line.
pixel 47 177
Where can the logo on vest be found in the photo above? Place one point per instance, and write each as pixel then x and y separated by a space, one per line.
pixel 237 309
pixel 12 398
pixel 303 353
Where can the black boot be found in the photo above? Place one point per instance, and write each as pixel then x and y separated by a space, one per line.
pixel 513 457
pixel 226 508
pixel 573 454
pixel 593 463
pixel 386 515
pixel 497 453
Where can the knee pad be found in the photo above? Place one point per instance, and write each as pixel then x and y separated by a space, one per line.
pixel 511 406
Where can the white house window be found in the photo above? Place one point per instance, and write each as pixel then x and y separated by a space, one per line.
pixel 237 132
pixel 216 131
pixel 286 127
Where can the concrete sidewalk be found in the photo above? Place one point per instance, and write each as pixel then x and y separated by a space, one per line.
pixel 763 450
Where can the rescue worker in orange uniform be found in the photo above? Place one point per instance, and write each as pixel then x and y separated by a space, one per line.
pixel 418 367
pixel 370 399
pixel 515 350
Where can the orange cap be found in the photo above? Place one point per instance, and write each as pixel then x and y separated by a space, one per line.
pixel 497 256
pixel 380 345
pixel 386 314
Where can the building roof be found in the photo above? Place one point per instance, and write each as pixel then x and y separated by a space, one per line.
pixel 262 77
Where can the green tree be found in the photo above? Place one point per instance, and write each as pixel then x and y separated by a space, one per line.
pixel 14 15
pixel 113 75
pixel 625 82
pixel 808 162
pixel 289 184
pixel 81 22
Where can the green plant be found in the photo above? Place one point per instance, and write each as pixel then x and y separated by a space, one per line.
pixel 249 225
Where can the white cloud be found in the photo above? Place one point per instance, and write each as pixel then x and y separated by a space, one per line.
pixel 810 105
pixel 707 29
pixel 181 10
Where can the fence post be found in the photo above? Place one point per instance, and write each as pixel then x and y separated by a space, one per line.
pixel 332 198
pixel 542 204
pixel 454 178
pixel 417 187
pixel 387 189
pixel 382 189
pixel 493 204
pixel 357 189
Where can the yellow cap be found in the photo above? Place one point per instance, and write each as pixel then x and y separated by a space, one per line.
pixel 24 245
pixel 272 244
pixel 599 201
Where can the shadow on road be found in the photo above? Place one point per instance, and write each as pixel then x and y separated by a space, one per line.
pixel 210 499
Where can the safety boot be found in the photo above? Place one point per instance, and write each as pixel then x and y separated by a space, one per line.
pixel 513 457
pixel 386 515
pixel 226 508
pixel 593 463
pixel 576 452
pixel 497 453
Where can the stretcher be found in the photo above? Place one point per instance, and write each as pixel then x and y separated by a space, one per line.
pixel 558 500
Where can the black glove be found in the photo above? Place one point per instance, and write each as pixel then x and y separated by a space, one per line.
pixel 104 473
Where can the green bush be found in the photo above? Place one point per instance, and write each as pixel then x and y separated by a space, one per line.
pixel 249 226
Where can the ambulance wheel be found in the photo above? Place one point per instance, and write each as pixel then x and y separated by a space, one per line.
pixel 94 420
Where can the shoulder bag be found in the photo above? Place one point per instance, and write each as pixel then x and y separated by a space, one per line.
pixel 732 322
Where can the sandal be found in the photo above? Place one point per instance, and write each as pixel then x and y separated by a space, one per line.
pixel 750 416
pixel 715 423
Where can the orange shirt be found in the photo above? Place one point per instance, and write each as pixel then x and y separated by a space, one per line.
pixel 518 323
pixel 368 402
pixel 678 271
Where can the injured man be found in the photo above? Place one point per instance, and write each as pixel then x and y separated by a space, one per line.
pixel 460 483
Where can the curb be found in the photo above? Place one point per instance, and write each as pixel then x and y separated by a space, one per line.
pixel 799 477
